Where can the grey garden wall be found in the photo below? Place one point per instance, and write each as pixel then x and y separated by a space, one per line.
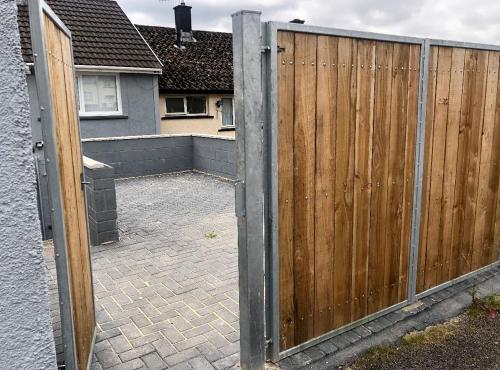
pixel 148 155
pixel 215 155
pixel 25 325
pixel 142 155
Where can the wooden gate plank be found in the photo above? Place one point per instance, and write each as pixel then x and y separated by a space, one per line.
pixel 450 167
pixel 362 176
pixel 426 182
pixel 434 247
pixel 458 257
pixel 304 183
pixel 395 179
pixel 410 146
pixel 480 248
pixel 286 72
pixel 325 189
pixel 472 175
pixel 380 163
pixel 344 183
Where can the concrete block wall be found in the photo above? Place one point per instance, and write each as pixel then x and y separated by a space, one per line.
pixel 215 155
pixel 142 155
pixel 101 202
pixel 157 154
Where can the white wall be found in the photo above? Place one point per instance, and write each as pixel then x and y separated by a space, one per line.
pixel 26 339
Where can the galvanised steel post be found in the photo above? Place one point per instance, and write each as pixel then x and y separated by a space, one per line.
pixel 249 186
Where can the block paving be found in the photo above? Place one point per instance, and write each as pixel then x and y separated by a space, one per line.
pixel 166 294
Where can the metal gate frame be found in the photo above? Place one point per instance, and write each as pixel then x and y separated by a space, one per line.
pixel 37 10
pixel 256 86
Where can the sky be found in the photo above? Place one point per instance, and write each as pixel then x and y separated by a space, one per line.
pixel 461 20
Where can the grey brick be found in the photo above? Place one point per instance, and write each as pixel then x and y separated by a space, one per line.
pixel 129 365
pixel 200 363
pixel 120 344
pixel 108 358
pixel 153 361
pixel 136 352
pixel 164 347
pixel 182 356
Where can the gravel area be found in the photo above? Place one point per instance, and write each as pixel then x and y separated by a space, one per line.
pixel 474 343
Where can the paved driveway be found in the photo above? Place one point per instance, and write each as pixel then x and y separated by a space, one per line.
pixel 167 293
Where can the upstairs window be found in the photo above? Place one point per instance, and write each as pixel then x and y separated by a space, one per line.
pixel 99 94
pixel 186 105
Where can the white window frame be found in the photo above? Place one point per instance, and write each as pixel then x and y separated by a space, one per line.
pixel 81 96
pixel 227 126
pixel 185 113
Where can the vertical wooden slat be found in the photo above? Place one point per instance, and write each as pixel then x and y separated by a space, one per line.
pixel 344 181
pixel 458 257
pixel 429 133
pixel 380 157
pixel 474 153
pixel 395 179
pixel 480 248
pixel 411 136
pixel 325 175
pixel 434 246
pixel 362 176
pixel 304 186
pixel 286 73
pixel 450 167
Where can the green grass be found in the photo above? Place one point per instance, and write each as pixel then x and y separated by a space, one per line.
pixel 211 235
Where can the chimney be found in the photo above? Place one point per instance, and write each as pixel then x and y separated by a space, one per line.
pixel 298 21
pixel 183 24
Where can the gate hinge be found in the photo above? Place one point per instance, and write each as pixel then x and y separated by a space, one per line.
pixel 82 181
pixel 239 191
pixel 265 48
pixel 269 342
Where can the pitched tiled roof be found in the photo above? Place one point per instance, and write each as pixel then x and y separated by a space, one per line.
pixel 203 66
pixel 102 34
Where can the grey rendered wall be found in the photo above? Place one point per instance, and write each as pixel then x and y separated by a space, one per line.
pixel 140 110
pixel 26 335
pixel 142 155
pixel 215 155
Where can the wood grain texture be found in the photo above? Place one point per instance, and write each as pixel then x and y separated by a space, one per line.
pixel 363 148
pixel 65 121
pixel 286 73
pixel 304 183
pixel 461 171
pixel 325 190
pixel 395 178
pixel 344 178
pixel 380 165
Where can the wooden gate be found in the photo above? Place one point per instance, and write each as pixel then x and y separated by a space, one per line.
pixel 55 77
pixel 347 118
pixel 380 160
pixel 460 203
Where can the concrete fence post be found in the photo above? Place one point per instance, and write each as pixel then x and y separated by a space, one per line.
pixel 249 186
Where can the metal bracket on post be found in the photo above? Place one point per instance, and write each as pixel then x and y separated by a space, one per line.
pixel 250 186
pixel 419 169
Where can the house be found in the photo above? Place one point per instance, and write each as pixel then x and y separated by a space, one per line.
pixel 117 72
pixel 117 78
pixel 196 87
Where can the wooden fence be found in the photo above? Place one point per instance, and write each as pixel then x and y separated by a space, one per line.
pixel 460 209
pixel 347 144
